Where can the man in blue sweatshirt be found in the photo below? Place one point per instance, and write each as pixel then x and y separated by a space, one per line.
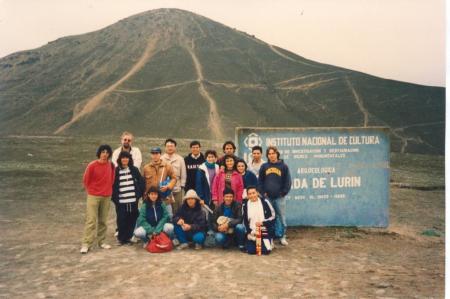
pixel 274 182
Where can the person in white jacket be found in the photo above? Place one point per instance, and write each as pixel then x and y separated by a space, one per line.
pixel 179 168
pixel 126 140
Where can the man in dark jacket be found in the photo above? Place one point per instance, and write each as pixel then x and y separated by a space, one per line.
pixel 227 222
pixel 193 161
pixel 190 221
pixel 274 183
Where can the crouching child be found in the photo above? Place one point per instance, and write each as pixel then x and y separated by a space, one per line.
pixel 227 222
pixel 258 212
pixel 190 221
pixel 153 217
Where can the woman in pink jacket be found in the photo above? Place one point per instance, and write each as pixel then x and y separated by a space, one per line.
pixel 228 177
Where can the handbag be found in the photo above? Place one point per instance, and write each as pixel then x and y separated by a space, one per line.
pixel 163 183
pixel 159 244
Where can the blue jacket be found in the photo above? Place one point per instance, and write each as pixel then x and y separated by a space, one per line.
pixel 250 179
pixel 202 183
pixel 269 217
pixel 274 179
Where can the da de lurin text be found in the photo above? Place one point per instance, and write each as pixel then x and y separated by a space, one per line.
pixel 327 182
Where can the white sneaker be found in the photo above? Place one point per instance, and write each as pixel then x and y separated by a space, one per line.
pixel 105 246
pixel 175 242
pixel 183 246
pixel 84 249
pixel 134 239
pixel 283 241
pixel 116 234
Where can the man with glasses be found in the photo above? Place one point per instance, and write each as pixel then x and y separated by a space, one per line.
pixel 126 141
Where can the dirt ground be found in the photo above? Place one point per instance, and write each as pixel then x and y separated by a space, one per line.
pixel 42 208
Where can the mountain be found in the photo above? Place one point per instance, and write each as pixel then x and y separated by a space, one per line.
pixel 170 72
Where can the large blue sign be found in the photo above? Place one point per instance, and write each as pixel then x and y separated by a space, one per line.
pixel 340 176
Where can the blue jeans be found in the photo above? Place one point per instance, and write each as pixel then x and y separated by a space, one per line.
pixel 184 237
pixel 279 205
pixel 239 236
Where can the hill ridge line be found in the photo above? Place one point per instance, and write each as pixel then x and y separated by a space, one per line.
pixel 96 100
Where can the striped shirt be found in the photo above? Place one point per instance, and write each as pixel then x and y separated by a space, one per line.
pixel 127 193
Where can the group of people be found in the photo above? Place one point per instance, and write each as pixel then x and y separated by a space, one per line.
pixel 240 204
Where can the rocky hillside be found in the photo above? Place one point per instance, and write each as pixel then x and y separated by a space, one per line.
pixel 169 72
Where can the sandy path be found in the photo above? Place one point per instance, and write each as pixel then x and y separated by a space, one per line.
pixel 214 122
pixel 304 77
pixel 290 58
pixel 359 102
pixel 155 88
pixel 95 101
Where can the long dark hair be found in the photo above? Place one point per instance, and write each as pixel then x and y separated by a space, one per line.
pixel 242 161
pixel 124 154
pixel 225 160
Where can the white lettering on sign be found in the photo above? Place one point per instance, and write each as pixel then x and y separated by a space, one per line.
pixel 322 140
pixel 345 182
pixel 322 182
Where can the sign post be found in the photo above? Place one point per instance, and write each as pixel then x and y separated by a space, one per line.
pixel 340 176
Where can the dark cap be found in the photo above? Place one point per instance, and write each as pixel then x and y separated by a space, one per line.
pixel 155 150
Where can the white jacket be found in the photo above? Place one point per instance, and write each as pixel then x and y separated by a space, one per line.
pixel 179 168
pixel 135 154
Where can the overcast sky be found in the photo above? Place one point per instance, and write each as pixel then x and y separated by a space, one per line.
pixel 397 39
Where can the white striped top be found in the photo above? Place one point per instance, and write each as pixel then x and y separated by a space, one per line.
pixel 127 193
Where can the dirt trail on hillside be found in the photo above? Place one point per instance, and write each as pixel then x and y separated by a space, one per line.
pixel 95 101
pixel 156 88
pixel 214 122
pixel 359 102
pixel 304 77
pixel 290 58
pixel 307 85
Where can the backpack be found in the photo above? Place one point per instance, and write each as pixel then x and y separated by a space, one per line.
pixel 159 244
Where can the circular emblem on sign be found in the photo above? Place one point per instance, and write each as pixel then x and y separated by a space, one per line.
pixel 252 140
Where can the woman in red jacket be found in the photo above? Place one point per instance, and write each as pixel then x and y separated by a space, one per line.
pixel 227 178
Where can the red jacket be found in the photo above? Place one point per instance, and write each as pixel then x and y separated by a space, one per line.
pixel 237 185
pixel 98 178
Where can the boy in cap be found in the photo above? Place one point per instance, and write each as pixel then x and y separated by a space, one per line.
pixel 158 171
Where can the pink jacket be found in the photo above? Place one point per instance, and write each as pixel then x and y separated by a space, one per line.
pixel 237 185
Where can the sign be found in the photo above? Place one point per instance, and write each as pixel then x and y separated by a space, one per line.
pixel 340 176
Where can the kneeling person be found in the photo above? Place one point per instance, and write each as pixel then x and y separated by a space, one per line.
pixel 153 217
pixel 258 212
pixel 227 222
pixel 190 221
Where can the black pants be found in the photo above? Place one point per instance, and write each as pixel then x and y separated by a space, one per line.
pixel 251 247
pixel 127 214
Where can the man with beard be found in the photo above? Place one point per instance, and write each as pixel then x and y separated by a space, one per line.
pixel 126 141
